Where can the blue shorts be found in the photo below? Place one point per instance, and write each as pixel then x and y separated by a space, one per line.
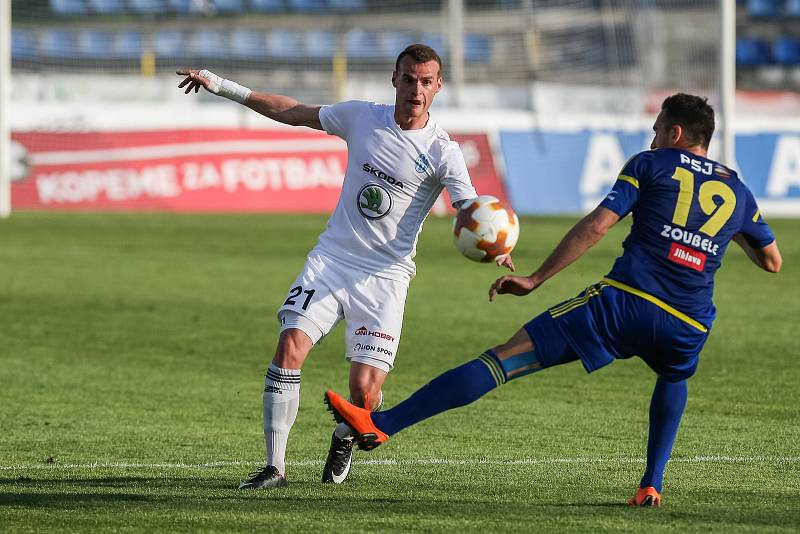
pixel 604 323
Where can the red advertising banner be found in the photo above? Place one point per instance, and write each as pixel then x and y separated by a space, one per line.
pixel 198 170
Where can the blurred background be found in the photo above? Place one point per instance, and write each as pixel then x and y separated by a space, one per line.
pixel 547 97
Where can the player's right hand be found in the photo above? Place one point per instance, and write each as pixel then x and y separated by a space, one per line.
pixel 193 80
pixel 514 285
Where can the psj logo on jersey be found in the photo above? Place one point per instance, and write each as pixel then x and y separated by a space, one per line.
pixel 706 167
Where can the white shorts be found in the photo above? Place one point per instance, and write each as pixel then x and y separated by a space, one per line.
pixel 326 292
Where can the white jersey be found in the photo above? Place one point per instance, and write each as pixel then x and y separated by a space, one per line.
pixel 393 178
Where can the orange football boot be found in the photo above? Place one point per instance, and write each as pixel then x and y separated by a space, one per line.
pixel 646 497
pixel 368 436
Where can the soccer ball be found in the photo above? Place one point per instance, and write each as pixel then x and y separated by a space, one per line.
pixel 485 229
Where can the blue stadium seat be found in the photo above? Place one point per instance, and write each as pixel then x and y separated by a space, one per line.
pixel 267 5
pixel 147 7
pixel 249 44
pixel 59 44
pixel 107 7
pixel 68 7
pixel 129 44
pixel 347 5
pixel 308 5
pixel 210 44
pixel 96 44
pixel 793 8
pixel 179 6
pixel 786 51
pixel 24 44
pixel 285 44
pixel 169 43
pixel 477 47
pixel 392 43
pixel 752 52
pixel 229 6
pixel 764 8
pixel 362 44
pixel 436 41
pixel 320 44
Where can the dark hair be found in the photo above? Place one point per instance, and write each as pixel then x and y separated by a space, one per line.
pixel 420 53
pixel 693 114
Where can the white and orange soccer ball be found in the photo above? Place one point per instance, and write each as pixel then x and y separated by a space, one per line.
pixel 485 229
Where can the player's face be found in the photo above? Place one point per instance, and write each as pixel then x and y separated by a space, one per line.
pixel 416 85
pixel 665 136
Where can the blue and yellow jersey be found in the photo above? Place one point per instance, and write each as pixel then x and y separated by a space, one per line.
pixel 686 209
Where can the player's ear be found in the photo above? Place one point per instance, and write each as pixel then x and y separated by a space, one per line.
pixel 676 134
pixel 439 83
pixel 394 79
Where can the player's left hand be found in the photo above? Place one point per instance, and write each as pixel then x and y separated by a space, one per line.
pixel 514 285
pixel 505 261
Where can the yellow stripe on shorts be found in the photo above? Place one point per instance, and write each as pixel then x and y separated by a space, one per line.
pixel 591 291
pixel 658 302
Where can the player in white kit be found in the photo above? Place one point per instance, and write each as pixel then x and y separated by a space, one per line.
pixel 399 160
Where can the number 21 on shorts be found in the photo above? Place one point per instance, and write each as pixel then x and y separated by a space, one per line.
pixel 295 297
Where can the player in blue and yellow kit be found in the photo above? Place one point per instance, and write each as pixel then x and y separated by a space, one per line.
pixel 656 303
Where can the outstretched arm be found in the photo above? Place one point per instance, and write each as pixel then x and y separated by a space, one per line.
pixel 280 108
pixel 578 240
pixel 768 258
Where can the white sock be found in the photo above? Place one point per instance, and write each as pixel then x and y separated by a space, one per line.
pixel 281 401
pixel 343 431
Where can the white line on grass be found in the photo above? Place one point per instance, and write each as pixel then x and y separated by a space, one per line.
pixel 767 460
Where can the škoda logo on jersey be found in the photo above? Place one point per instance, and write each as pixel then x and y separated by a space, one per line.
pixel 374 201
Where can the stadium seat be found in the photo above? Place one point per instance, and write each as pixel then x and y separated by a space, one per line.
pixel 361 44
pixel 179 6
pixel 347 5
pixel 752 52
pixel 59 44
pixel 96 44
pixel 229 6
pixel 392 43
pixel 267 5
pixel 285 44
pixel 169 44
pixel 68 7
pixel 308 5
pixel 793 8
pixel 24 44
pixel 786 51
pixel 435 41
pixel 129 44
pixel 249 44
pixel 477 47
pixel 147 7
pixel 764 8
pixel 107 7
pixel 210 44
pixel 320 44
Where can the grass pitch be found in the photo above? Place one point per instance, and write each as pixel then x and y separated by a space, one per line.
pixel 132 354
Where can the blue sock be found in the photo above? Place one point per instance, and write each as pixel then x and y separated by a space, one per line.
pixel 457 387
pixel 666 409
